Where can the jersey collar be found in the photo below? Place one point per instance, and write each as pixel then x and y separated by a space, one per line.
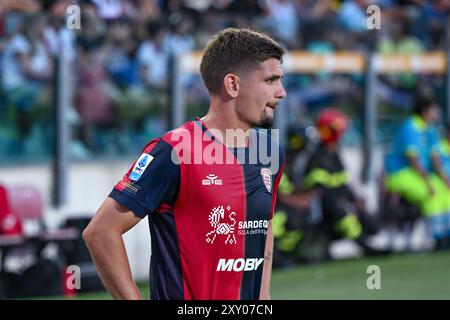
pixel 418 122
pixel 206 130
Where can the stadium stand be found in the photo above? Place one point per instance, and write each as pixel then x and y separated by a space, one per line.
pixel 119 66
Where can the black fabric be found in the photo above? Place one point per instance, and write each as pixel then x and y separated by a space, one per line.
pixel 336 202
pixel 322 158
pixel 41 279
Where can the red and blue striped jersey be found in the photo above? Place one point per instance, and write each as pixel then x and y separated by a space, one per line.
pixel 208 208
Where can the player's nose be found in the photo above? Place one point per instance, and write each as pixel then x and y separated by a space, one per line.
pixel 281 92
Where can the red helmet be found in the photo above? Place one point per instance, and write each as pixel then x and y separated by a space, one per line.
pixel 331 123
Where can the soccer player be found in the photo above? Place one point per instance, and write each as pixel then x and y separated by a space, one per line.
pixel 209 195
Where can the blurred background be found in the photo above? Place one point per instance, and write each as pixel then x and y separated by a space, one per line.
pixel 86 84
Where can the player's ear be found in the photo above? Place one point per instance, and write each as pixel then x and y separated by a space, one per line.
pixel 231 83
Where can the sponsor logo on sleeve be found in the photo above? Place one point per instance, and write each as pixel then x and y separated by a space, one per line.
pixel 140 166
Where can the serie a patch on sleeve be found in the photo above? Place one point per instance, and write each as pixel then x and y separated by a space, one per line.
pixel 140 166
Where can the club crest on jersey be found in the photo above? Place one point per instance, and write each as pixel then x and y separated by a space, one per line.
pixel 140 166
pixel 223 225
pixel 266 174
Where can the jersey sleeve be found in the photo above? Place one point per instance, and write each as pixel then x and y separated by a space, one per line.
pixel 153 180
pixel 434 141
pixel 278 176
pixel 410 141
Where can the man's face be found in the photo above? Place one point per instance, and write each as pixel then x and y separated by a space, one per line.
pixel 259 94
pixel 432 114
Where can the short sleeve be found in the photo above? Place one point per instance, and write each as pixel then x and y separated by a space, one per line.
pixel 153 180
pixel 433 141
pixel 411 141
pixel 20 45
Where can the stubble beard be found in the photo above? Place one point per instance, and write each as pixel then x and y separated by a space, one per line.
pixel 266 121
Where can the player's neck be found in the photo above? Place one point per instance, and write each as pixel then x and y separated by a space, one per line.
pixel 228 124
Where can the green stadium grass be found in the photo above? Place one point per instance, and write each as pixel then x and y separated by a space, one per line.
pixel 418 276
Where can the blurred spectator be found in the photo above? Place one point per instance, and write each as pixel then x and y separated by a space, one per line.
pixel 26 70
pixel 431 22
pixel 30 6
pixel 180 40
pixel 60 39
pixel 211 23
pixel 352 15
pixel 414 169
pixel 343 213
pixel 147 9
pixel 398 40
pixel 248 9
pixel 110 9
pixel 316 18
pixel 134 102
pixel 91 98
pixel 282 18
pixel 152 57
pixel 198 5
pixel 120 52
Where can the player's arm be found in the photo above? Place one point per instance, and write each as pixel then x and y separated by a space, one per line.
pixel 437 167
pixel 264 293
pixel 267 266
pixel 152 180
pixel 414 162
pixel 103 237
